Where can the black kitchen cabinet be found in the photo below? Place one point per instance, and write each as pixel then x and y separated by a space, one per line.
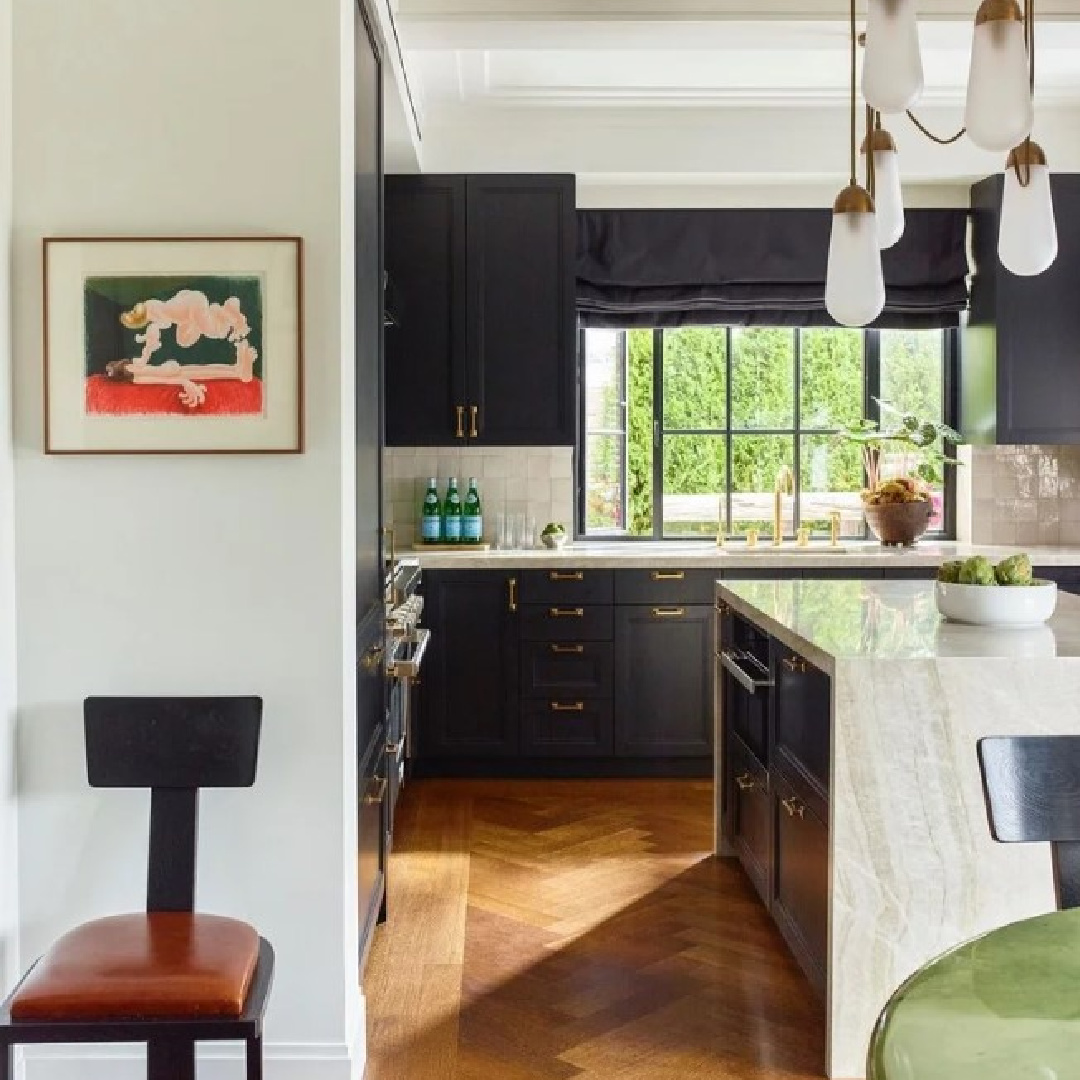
pixel 469 699
pixel 482 269
pixel 1019 380
pixel 800 878
pixel 663 680
pixel 750 813
pixel 801 718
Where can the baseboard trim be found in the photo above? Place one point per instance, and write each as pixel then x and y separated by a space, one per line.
pixel 695 768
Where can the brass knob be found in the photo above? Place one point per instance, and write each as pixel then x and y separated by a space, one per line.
pixel 794 807
pixel 796 664
pixel 372 659
pixel 745 782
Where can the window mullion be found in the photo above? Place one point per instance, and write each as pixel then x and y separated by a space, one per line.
pixel 658 435
pixel 729 453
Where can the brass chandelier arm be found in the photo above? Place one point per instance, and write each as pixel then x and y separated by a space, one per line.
pixel 1021 163
pixel 853 33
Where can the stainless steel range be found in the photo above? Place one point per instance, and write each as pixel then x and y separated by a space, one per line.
pixel 406 644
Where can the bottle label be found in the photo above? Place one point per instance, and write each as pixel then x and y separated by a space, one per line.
pixel 452 527
pixel 430 527
pixel 473 528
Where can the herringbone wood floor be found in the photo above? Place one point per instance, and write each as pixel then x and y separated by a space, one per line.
pixel 577 930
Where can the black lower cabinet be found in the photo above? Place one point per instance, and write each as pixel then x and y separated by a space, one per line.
pixel 469 701
pixel 663 680
pixel 565 727
pixel 371 854
pixel 800 879
pixel 750 814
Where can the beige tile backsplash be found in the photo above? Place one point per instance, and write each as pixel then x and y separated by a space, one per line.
pixel 535 481
pixel 1019 495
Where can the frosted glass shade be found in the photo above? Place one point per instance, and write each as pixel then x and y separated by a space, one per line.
pixel 1000 112
pixel 1028 241
pixel 888 198
pixel 892 68
pixel 854 285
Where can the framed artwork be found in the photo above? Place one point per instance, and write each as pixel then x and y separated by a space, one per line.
pixel 173 345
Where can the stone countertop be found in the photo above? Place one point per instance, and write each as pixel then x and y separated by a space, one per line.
pixel 631 555
pixel 831 621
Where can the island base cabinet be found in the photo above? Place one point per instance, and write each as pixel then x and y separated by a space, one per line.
pixel 663 682
pixel 566 728
pixel 800 884
pixel 750 814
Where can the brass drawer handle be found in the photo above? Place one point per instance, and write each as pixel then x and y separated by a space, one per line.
pixel 460 433
pixel 794 807
pixel 394 749
pixel 796 663
pixel 577 706
pixel 511 587
pixel 668 612
pixel 722 608
pixel 567 613
pixel 745 782
pixel 473 411
pixel 568 650
pixel 373 658
pixel 573 575
pixel 373 798
pixel 668 575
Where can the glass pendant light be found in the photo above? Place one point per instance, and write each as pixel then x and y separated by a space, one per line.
pixel 854 283
pixel 884 162
pixel 1000 112
pixel 1028 241
pixel 892 69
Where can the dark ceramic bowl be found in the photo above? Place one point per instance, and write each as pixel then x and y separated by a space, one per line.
pixel 899 524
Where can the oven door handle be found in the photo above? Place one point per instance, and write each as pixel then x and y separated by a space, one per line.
pixel 410 669
pixel 732 661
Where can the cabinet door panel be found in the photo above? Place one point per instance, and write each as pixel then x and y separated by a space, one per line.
pixel 425 351
pixel 521 341
pixel 665 586
pixel 751 814
pixel 566 622
pixel 802 709
pixel 565 727
pixel 663 681
pixel 566 668
pixel 469 684
pixel 570 585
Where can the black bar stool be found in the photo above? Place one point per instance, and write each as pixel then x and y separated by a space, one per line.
pixel 169 977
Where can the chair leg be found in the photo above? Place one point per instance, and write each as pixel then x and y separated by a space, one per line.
pixel 170 1059
pixel 254 1058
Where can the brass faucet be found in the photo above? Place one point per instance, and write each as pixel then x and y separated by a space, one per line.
pixel 834 527
pixel 785 485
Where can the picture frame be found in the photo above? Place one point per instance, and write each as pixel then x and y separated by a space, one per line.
pixel 173 345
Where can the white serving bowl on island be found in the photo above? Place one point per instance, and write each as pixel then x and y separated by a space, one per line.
pixel 997 605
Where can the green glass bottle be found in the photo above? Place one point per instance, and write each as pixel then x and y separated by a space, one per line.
pixel 451 513
pixel 472 519
pixel 431 514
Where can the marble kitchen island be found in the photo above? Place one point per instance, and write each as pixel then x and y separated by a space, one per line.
pixel 848 715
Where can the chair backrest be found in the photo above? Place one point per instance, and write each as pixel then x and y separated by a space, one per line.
pixel 174 746
pixel 1032 788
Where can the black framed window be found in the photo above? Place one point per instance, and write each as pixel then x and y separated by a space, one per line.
pixel 684 431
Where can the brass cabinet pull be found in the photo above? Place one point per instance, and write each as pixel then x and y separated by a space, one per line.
pixel 571 650
pixel 668 612
pixel 372 659
pixel 794 807
pixel 745 782
pixel 567 613
pixel 394 749
pixel 511 586
pixel 795 663
pixel 460 434
pixel 577 706
pixel 376 796
pixel 572 575
pixel 473 412
pixel 668 575
pixel 722 608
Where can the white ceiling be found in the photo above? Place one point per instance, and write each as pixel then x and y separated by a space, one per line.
pixel 704 93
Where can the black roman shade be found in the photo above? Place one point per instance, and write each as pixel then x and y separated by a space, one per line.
pixel 668 268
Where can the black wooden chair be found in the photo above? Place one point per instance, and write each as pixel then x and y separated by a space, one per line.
pixel 169 977
pixel 1032 787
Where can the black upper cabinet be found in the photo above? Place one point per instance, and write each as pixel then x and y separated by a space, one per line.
pixel 425 349
pixel 483 275
pixel 1019 379
pixel 469 697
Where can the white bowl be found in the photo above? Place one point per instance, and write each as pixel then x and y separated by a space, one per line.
pixel 997 605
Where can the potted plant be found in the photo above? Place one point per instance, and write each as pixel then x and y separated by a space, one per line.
pixel 898 507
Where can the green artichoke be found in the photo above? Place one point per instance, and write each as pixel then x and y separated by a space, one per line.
pixel 949 572
pixel 978 570
pixel 1015 570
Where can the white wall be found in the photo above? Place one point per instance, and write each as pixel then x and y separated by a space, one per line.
pixel 8 858
pixel 142 575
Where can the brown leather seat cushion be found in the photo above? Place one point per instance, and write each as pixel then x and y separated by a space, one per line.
pixel 143 967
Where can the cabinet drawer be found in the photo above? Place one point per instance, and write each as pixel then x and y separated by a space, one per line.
pixel 568 622
pixel 665 586
pixel 802 718
pixel 749 813
pixel 566 586
pixel 567 668
pixel 566 727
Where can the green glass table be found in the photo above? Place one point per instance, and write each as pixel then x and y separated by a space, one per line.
pixel 1005 1006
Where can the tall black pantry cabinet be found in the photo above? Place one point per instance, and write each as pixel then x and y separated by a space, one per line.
pixel 370 613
